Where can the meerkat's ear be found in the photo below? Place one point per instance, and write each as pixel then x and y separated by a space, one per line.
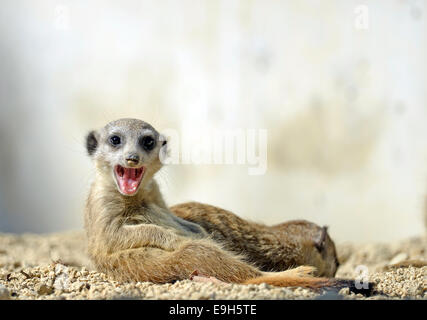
pixel 164 149
pixel 91 143
pixel 163 140
pixel 320 239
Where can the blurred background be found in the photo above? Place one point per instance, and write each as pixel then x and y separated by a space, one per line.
pixel 339 86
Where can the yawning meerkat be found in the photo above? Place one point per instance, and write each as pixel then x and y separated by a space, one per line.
pixel 134 236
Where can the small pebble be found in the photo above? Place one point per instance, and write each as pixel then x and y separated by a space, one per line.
pixel 43 289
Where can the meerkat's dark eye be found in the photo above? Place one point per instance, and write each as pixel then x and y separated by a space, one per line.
pixel 115 140
pixel 147 143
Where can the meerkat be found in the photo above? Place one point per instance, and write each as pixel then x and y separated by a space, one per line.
pixel 270 248
pixel 133 235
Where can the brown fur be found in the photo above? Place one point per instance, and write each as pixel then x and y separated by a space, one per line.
pixel 137 238
pixel 275 248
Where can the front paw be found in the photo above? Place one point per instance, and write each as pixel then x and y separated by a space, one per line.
pixel 303 271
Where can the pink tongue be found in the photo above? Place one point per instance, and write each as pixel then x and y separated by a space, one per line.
pixel 129 182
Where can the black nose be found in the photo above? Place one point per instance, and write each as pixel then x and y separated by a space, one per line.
pixel 132 158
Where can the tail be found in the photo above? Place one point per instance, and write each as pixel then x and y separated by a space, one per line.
pixel 302 277
pixel 291 281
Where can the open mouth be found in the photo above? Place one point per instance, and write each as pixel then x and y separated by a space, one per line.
pixel 128 179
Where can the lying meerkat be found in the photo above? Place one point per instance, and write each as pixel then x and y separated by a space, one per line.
pixel 134 236
pixel 274 248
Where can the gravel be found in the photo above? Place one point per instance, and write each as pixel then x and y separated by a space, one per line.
pixel 54 266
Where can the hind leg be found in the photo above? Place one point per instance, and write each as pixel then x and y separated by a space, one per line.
pixel 161 266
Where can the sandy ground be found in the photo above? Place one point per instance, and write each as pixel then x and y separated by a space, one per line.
pixel 55 266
